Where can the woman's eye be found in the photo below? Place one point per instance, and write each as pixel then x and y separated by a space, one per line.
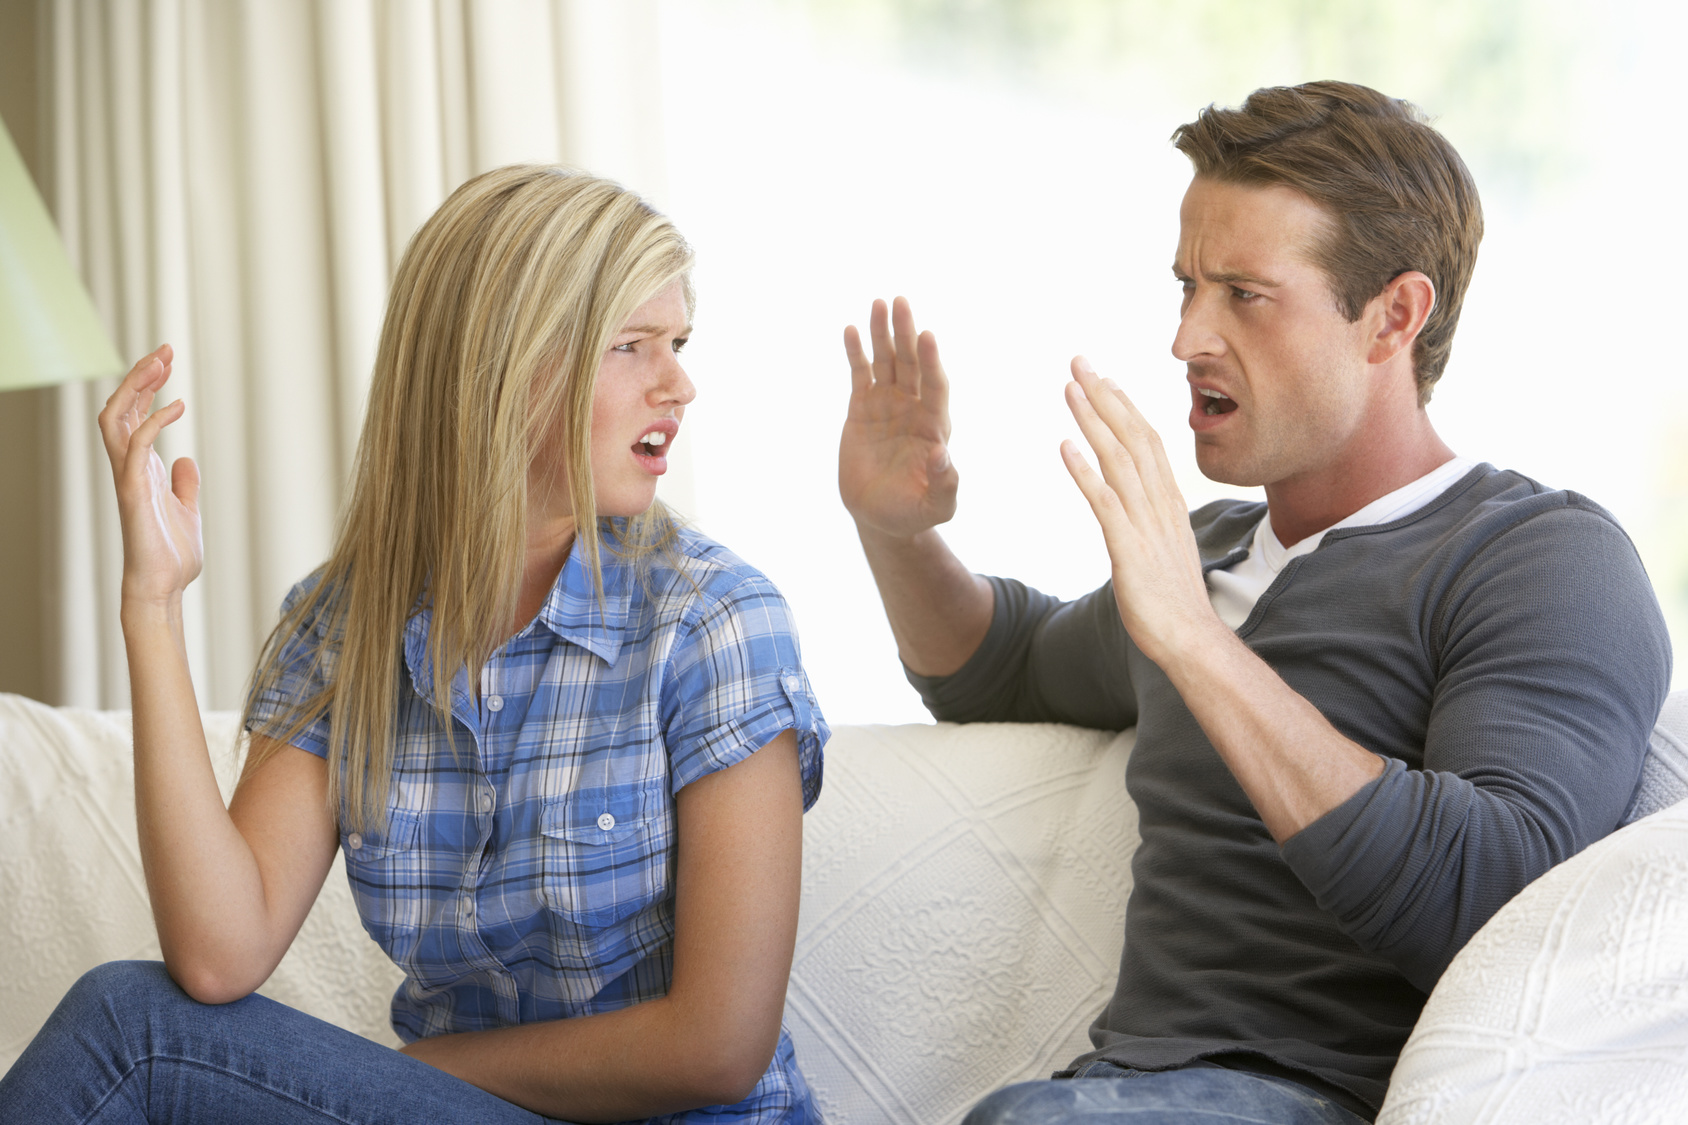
pixel 622 348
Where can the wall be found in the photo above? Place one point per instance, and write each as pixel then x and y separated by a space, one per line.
pixel 23 414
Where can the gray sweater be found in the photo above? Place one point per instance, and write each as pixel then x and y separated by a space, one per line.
pixel 1500 648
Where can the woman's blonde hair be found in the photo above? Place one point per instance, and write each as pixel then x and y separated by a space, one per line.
pixel 502 309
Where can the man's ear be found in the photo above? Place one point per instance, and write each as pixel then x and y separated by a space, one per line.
pixel 1399 313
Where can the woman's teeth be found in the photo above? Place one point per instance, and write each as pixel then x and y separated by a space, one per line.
pixel 657 438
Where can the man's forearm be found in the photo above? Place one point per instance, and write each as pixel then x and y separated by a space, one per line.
pixel 1294 766
pixel 938 609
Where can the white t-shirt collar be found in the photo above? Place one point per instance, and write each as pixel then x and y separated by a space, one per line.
pixel 1404 501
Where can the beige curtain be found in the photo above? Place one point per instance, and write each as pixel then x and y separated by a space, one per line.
pixel 239 177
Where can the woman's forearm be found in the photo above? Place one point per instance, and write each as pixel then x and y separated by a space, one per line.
pixel 203 880
pixel 644 1061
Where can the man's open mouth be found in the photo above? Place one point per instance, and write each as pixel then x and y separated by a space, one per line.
pixel 1218 403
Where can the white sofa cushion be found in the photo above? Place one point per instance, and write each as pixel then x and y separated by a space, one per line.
pixel 963 904
pixel 74 895
pixel 963 910
pixel 1664 772
pixel 1571 1005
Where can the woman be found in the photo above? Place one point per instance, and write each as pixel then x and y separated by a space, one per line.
pixel 564 744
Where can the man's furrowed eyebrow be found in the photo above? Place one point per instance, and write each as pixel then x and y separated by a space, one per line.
pixel 1232 277
pixel 1241 277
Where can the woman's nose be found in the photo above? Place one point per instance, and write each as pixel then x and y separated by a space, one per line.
pixel 675 386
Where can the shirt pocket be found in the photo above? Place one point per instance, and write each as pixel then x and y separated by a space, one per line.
pixel 605 851
pixel 384 867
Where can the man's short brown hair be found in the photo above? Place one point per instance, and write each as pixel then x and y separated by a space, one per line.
pixel 1398 195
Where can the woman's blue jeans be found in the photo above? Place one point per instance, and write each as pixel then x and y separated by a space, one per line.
pixel 127 1045
pixel 1103 1093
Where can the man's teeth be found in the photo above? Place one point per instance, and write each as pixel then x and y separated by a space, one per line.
pixel 1211 393
pixel 656 438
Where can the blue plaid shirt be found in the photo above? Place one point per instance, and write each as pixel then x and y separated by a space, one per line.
pixel 530 874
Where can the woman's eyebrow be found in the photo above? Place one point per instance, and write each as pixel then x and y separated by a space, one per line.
pixel 651 330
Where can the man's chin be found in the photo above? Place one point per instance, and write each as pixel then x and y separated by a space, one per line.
pixel 1235 472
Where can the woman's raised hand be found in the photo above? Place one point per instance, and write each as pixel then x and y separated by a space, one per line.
pixel 894 469
pixel 162 550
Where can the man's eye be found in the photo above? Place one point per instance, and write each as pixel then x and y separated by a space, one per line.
pixel 1243 294
pixel 680 345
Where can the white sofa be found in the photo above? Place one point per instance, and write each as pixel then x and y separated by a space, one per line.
pixel 964 889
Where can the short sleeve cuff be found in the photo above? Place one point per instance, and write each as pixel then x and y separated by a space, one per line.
pixel 789 705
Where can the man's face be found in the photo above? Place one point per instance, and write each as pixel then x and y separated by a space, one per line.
pixel 1260 327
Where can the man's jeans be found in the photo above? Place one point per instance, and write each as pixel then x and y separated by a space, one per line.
pixel 127 1045
pixel 1105 1092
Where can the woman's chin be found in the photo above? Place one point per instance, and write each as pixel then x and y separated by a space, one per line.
pixel 626 506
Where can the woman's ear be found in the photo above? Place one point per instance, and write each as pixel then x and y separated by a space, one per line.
pixel 1400 312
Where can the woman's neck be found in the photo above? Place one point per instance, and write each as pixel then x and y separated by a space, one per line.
pixel 548 547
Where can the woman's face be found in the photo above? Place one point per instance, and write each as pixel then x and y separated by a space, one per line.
pixel 641 396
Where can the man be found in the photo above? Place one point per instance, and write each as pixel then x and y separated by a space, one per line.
pixel 1369 711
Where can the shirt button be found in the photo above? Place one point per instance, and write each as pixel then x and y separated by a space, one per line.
pixel 354 841
pixel 468 904
pixel 486 802
pixel 792 683
pixel 495 703
pixel 606 822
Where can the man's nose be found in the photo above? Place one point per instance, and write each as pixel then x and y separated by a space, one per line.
pixel 1197 335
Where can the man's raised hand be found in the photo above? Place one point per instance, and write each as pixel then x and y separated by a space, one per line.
pixel 894 469
pixel 159 508
pixel 1157 574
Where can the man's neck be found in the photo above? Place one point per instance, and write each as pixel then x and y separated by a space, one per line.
pixel 1309 503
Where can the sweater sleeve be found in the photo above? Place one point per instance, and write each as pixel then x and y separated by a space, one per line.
pixel 1042 661
pixel 1553 664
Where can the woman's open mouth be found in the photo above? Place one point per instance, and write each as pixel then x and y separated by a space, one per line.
pixel 652 449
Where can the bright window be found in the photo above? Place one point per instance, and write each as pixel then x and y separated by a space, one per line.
pixel 1006 166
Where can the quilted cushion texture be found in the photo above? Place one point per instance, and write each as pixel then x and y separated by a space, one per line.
pixel 963 905
pixel 1571 1005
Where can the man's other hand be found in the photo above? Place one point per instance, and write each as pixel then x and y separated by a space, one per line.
pixel 894 469
pixel 1157 571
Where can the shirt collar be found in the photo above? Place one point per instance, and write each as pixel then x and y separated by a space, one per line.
pixel 1400 503
pixel 570 611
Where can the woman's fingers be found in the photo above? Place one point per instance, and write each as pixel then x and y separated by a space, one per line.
pixel 184 482
pixel 129 403
pixel 141 441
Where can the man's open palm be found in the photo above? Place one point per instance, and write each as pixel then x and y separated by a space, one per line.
pixel 894 469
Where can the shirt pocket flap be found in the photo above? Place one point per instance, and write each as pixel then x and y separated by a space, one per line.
pixel 605 814
pixel 397 835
